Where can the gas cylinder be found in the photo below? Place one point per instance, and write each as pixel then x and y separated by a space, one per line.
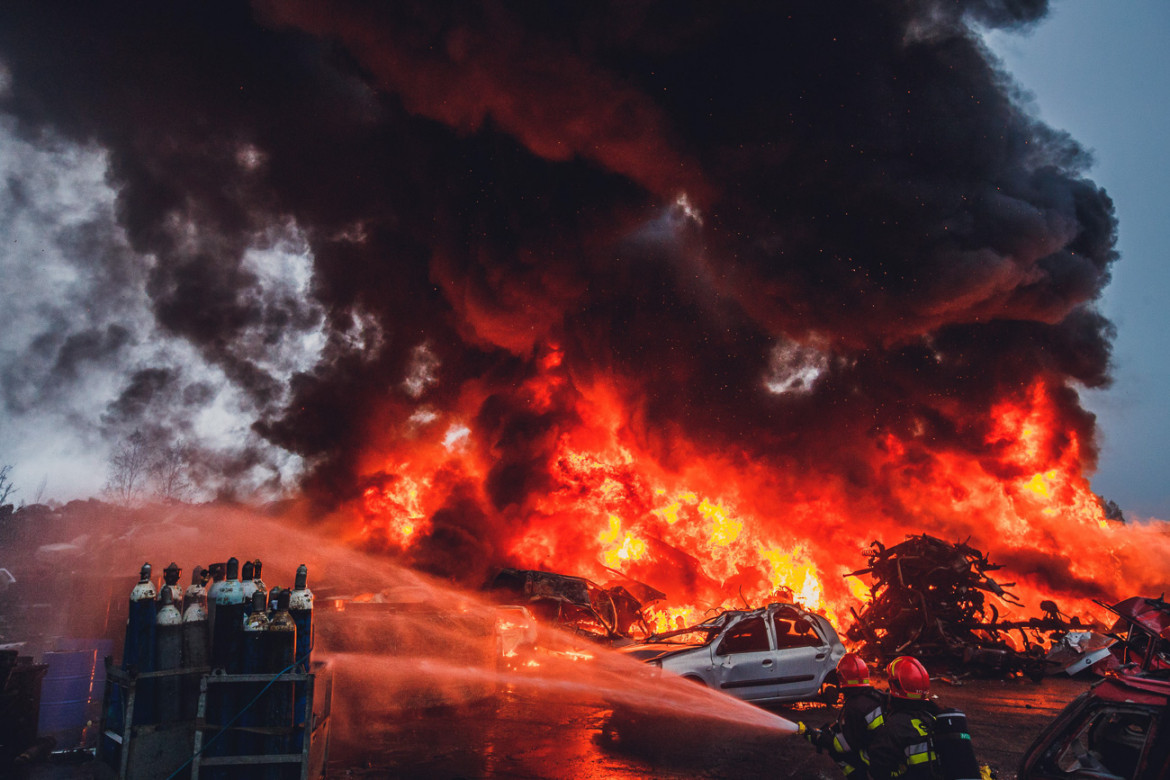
pixel 952 744
pixel 195 640
pixel 255 624
pixel 248 586
pixel 229 621
pixel 197 590
pixel 301 608
pixel 280 652
pixel 217 576
pixel 226 633
pixel 171 576
pixel 168 656
pixel 257 582
pixel 138 651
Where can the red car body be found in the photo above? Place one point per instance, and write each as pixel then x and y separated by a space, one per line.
pixel 1117 730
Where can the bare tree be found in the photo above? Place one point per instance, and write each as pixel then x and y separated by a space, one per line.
pixel 168 471
pixel 39 496
pixel 128 469
pixel 6 486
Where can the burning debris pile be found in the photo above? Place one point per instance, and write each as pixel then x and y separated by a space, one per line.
pixel 927 600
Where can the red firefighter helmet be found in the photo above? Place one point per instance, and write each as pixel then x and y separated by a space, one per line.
pixel 908 678
pixel 852 672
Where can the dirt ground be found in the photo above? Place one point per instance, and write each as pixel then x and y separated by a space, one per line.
pixel 508 738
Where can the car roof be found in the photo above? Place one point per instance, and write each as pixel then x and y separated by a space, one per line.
pixel 1153 615
pixel 730 616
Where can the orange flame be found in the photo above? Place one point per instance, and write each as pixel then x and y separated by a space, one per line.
pixel 721 532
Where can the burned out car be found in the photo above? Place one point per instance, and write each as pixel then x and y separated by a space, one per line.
pixel 610 615
pixel 777 653
pixel 1117 730
pixel 1143 633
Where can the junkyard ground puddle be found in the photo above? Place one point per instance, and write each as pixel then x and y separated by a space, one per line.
pixel 518 734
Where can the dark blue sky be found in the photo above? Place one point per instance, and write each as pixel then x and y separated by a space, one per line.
pixel 1101 72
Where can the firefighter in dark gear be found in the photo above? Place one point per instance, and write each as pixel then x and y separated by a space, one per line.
pixel 903 747
pixel 862 714
pixel 919 741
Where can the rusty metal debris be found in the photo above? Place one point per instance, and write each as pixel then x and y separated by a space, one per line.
pixel 929 599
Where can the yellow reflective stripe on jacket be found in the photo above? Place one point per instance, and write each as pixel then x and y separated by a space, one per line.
pixel 919 754
pixel 840 744
pixel 874 718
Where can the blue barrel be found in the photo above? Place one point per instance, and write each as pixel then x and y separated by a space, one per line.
pixel 104 649
pixel 65 695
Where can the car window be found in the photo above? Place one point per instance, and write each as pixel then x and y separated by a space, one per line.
pixel 1110 742
pixel 1137 643
pixel 1161 654
pixel 795 633
pixel 747 636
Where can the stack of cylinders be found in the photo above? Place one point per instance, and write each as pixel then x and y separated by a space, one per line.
pixel 194 638
pixel 138 651
pixel 255 624
pixel 279 655
pixel 168 657
pixel 301 609
pixel 220 622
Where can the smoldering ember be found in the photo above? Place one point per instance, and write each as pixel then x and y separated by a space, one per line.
pixel 536 362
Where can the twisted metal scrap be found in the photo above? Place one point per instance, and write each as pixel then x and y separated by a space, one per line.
pixel 928 600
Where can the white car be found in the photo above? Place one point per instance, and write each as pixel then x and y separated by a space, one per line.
pixel 777 653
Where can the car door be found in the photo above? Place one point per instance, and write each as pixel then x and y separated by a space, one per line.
pixel 800 657
pixel 744 663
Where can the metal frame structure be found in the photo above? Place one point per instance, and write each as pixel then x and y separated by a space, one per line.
pixel 161 750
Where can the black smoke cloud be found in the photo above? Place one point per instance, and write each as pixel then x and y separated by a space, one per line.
pixel 487 178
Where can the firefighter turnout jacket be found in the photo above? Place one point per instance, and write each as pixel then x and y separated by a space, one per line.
pixel 903 747
pixel 847 740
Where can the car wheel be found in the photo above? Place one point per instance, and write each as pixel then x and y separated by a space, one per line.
pixel 695 679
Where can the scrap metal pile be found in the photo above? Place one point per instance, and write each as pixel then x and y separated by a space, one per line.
pixel 928 599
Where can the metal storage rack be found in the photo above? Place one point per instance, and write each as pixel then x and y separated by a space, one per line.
pixel 157 750
pixel 313 755
pixel 141 751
